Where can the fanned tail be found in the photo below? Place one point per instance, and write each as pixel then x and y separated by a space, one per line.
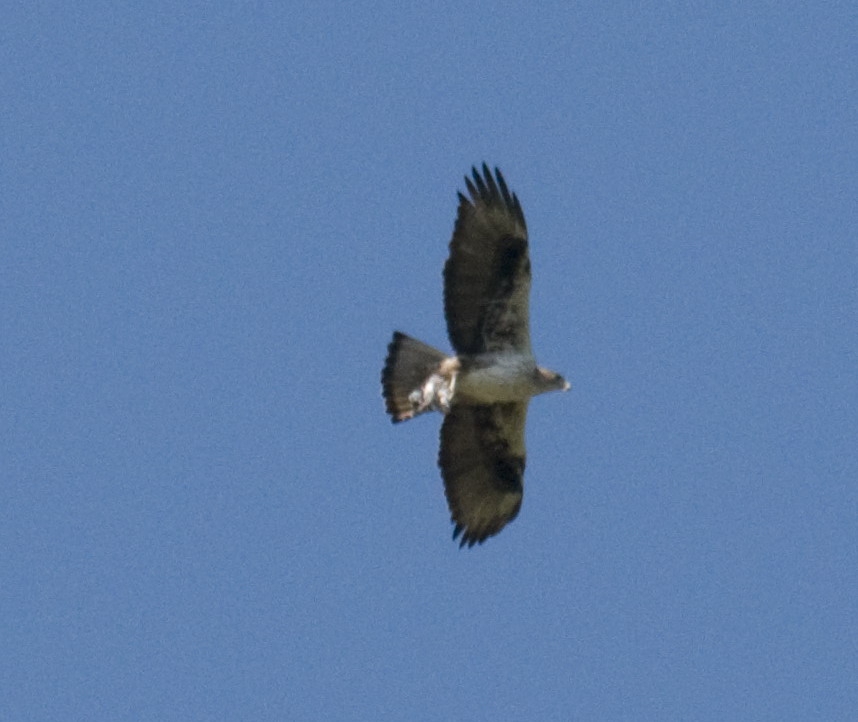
pixel 409 363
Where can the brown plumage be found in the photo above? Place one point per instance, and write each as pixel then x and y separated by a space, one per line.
pixel 482 457
pixel 485 389
pixel 487 275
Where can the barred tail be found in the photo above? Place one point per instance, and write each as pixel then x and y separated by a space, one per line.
pixel 409 363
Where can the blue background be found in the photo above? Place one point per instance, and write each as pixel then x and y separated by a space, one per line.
pixel 212 218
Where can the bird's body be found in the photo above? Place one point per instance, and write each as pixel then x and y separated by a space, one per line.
pixel 485 388
pixel 497 377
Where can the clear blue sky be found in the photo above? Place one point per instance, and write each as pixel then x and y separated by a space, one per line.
pixel 213 215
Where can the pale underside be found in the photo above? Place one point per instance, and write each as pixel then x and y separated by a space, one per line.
pixel 489 378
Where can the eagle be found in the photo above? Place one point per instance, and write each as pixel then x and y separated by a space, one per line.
pixel 484 389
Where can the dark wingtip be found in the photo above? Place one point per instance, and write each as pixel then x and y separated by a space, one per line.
pixel 457 530
pixel 481 185
pixel 488 188
pixel 468 539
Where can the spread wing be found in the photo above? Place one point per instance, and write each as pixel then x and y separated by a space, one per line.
pixel 487 275
pixel 482 462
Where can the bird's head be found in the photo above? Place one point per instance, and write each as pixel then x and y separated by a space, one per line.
pixel 548 380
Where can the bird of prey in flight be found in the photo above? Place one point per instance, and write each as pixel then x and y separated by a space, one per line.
pixel 484 389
